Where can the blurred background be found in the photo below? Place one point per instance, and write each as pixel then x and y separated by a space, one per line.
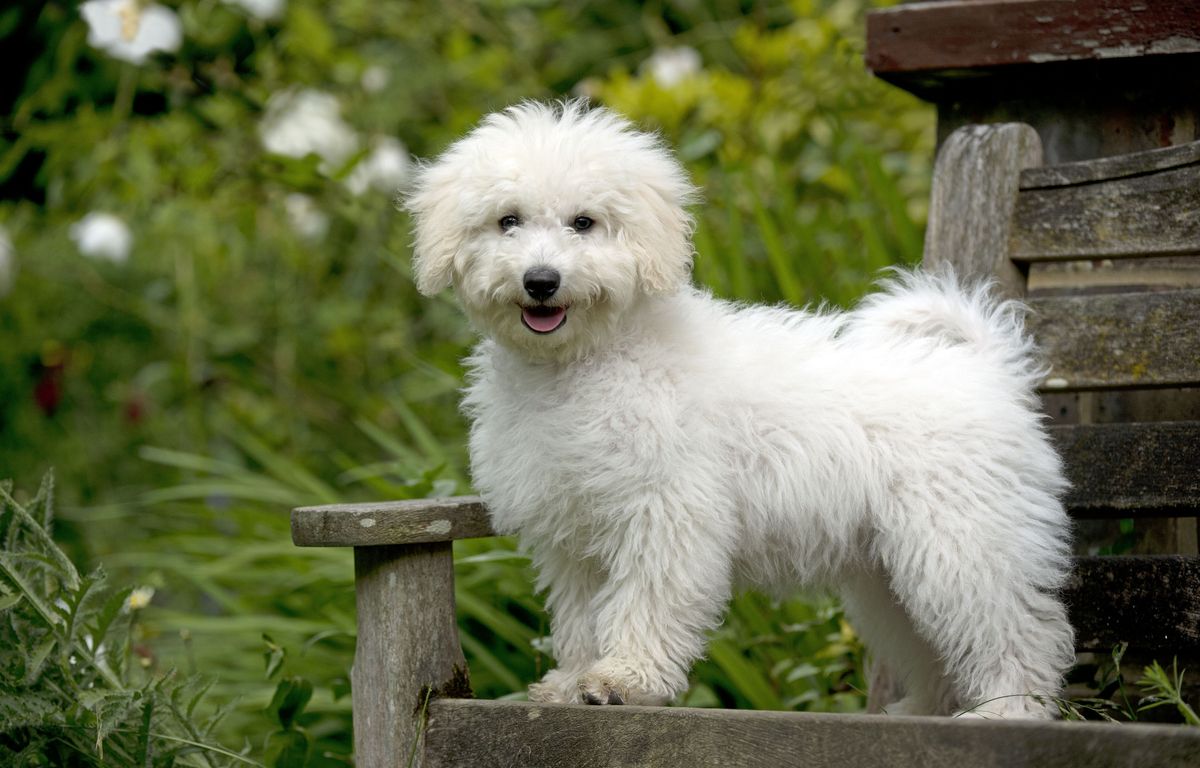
pixel 207 316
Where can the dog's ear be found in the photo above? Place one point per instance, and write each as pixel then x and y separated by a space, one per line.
pixel 662 237
pixel 438 227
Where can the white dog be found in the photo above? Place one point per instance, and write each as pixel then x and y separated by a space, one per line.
pixel 655 448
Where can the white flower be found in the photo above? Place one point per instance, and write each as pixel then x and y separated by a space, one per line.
pixel 309 221
pixel 297 123
pixel 384 169
pixel 671 66
pixel 101 235
pixel 129 30
pixel 139 598
pixel 8 262
pixel 261 9
pixel 374 79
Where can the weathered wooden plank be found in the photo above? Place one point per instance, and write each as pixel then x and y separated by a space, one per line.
pixel 1131 470
pixel 970 209
pixel 407 648
pixel 924 36
pixel 1156 214
pixel 1151 602
pixel 494 734
pixel 390 522
pixel 1107 168
pixel 1064 278
pixel 1113 341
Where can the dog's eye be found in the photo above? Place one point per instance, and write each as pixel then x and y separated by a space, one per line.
pixel 508 222
pixel 582 224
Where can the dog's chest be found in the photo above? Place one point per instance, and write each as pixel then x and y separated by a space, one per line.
pixel 554 444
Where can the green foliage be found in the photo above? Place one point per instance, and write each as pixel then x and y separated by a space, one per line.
pixel 77 688
pixel 814 176
pixel 1112 695
pixel 1166 690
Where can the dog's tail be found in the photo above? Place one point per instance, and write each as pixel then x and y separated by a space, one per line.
pixel 939 307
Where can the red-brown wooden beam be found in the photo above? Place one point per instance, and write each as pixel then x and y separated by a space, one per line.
pixel 973 34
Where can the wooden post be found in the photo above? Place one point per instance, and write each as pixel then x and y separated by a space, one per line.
pixel 974 193
pixel 407 649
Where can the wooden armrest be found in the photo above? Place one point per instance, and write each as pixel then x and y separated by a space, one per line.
pixel 418 521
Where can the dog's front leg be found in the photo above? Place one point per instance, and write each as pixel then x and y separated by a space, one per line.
pixel 668 582
pixel 571 584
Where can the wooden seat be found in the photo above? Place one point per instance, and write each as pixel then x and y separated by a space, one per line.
pixel 995 214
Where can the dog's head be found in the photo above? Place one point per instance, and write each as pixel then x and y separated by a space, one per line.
pixel 551 221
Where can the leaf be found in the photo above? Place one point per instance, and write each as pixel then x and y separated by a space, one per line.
pixel 289 749
pixel 110 710
pixel 42 537
pixel 145 745
pixel 291 696
pixel 108 613
pixel 747 679
pixel 42 506
pixel 37 660
pixel 273 656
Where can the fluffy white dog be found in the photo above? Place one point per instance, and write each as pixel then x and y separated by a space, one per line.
pixel 655 448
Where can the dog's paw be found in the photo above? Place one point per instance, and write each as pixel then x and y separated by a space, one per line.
pixel 541 693
pixel 613 681
pixel 599 689
pixel 555 687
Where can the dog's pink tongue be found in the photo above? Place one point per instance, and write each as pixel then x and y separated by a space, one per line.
pixel 545 320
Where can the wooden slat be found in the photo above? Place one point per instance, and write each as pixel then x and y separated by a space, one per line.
pixel 1107 168
pixel 923 36
pixel 495 734
pixel 1113 341
pixel 390 522
pixel 1156 214
pixel 1150 602
pixel 1131 470
pixel 1081 278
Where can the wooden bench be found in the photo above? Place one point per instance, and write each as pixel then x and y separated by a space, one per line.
pixel 995 212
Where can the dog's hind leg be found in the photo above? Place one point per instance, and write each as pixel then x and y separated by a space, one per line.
pixel 891 639
pixel 976 573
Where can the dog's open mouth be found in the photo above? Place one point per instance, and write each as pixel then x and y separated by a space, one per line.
pixel 542 319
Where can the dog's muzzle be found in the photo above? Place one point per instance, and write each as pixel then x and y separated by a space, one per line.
pixel 541 283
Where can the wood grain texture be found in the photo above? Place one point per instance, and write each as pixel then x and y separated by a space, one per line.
pixel 951 35
pixel 1151 602
pixel 1154 214
pixel 1108 168
pixel 1119 340
pixel 975 182
pixel 407 648
pixel 1131 470
pixel 391 522
pixel 494 734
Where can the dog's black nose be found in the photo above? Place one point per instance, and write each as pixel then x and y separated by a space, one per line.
pixel 541 283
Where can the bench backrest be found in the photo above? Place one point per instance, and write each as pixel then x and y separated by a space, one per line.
pixel 1107 255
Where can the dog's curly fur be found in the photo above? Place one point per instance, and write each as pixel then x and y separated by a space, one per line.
pixel 655 448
